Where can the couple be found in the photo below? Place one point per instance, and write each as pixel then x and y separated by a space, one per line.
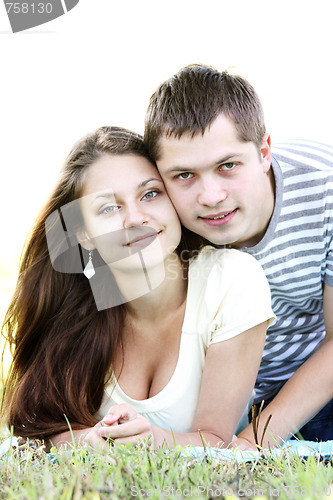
pixel 179 362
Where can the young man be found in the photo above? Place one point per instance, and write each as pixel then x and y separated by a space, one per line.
pixel 206 132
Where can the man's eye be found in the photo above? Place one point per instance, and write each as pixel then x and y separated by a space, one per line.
pixel 227 166
pixel 150 195
pixel 184 175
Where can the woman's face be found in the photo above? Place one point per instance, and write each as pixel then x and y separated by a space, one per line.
pixel 126 212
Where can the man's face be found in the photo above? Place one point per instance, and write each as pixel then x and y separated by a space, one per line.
pixel 221 187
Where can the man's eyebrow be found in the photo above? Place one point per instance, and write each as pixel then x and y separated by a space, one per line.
pixel 224 159
pixel 113 195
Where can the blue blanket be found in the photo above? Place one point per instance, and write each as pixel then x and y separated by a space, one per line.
pixel 323 449
pixel 304 449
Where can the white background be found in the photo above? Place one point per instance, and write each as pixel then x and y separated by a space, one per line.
pixel 99 64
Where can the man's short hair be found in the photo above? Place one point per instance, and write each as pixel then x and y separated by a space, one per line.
pixel 194 97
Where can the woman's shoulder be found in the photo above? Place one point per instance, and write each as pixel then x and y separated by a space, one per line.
pixel 224 267
pixel 226 286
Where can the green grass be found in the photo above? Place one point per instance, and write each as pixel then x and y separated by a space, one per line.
pixel 127 472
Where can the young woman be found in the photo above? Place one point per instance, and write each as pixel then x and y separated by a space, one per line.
pixel 153 343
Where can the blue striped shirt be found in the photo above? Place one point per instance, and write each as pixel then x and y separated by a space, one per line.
pixel 296 254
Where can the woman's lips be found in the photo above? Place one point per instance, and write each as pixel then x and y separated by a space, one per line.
pixel 143 240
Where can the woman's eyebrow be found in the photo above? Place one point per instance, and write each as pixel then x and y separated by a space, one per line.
pixel 104 195
pixel 144 183
pixel 113 195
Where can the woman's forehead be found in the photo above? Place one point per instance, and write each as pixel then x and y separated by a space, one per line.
pixel 117 173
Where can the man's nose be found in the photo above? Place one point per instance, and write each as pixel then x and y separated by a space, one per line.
pixel 211 192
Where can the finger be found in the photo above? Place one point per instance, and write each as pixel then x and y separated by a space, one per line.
pixel 135 440
pixel 121 413
pixel 122 408
pixel 96 441
pixel 110 420
pixel 131 428
pixel 129 440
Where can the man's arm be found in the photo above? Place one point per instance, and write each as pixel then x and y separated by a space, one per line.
pixel 305 393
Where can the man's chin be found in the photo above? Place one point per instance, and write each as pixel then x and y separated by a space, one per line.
pixel 214 238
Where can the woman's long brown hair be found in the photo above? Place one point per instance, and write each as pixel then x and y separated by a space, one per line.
pixel 62 346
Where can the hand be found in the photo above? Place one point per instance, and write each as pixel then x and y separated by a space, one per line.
pixel 123 425
pixel 242 444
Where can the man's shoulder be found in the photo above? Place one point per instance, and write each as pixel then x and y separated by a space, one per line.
pixel 304 155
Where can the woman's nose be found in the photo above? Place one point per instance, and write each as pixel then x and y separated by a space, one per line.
pixel 134 216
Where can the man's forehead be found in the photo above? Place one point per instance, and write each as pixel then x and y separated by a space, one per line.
pixel 176 156
pixel 221 128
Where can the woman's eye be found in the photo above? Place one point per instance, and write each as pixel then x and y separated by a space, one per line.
pixel 109 209
pixel 150 195
pixel 184 175
pixel 227 166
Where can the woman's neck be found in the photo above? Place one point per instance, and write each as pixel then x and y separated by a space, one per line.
pixel 151 294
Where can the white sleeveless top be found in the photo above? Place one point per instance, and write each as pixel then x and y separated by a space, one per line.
pixel 227 295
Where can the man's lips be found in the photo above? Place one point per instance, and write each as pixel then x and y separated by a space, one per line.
pixel 219 218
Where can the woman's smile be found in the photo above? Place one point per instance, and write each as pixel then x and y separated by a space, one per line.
pixel 125 209
pixel 144 239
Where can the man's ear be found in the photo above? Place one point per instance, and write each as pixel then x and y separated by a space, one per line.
pixel 265 151
pixel 84 240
